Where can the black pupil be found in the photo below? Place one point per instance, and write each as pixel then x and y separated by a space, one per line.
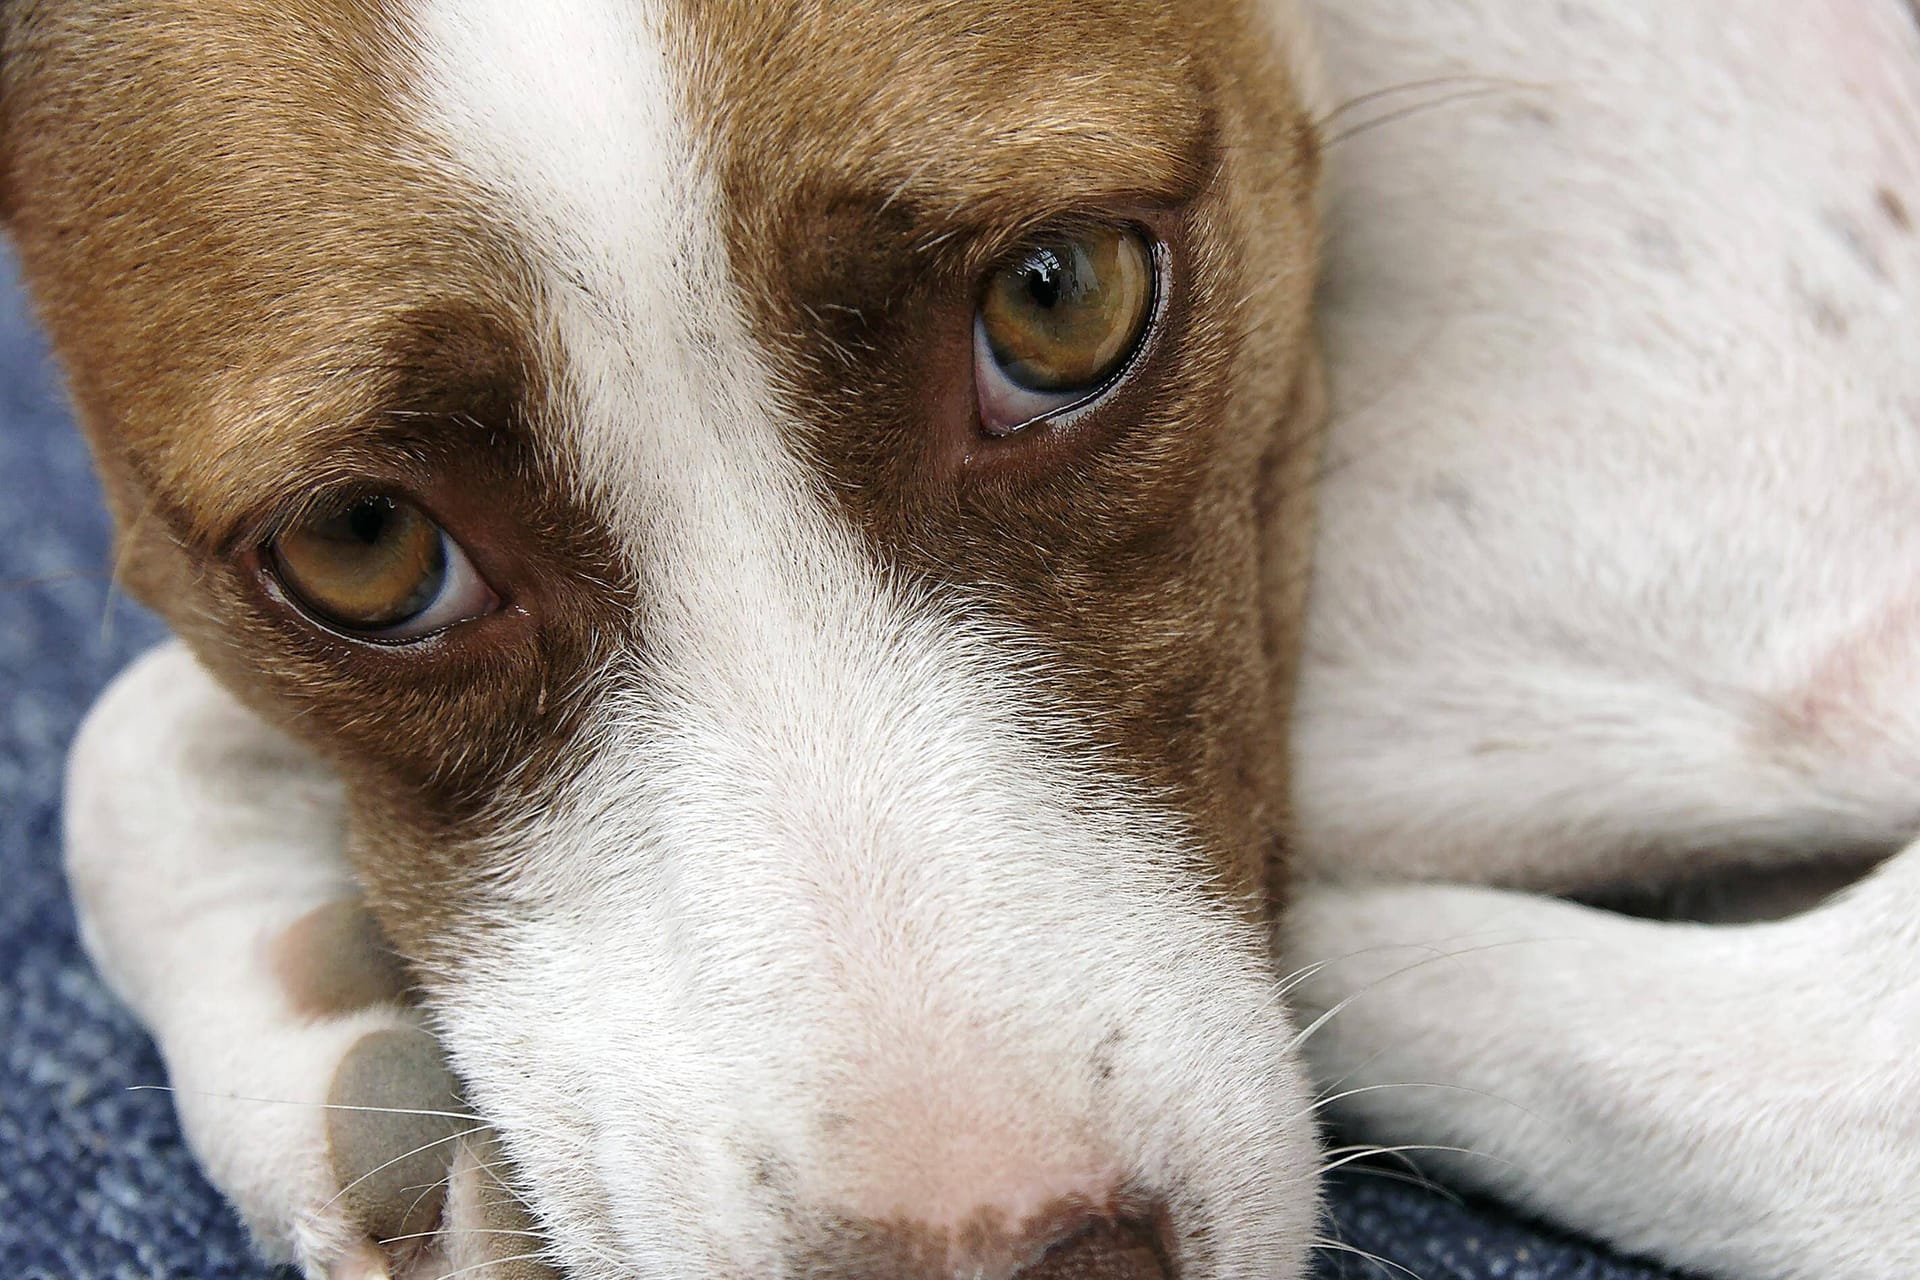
pixel 367 521
pixel 1046 279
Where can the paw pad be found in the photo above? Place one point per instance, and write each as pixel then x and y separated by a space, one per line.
pixel 393 1127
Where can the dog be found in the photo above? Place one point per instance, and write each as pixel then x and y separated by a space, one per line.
pixel 764 542
pixel 818 741
pixel 1613 608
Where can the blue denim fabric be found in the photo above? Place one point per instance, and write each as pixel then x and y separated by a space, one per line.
pixel 95 1183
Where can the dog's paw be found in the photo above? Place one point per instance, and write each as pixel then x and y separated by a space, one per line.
pixel 418 1193
pixel 206 854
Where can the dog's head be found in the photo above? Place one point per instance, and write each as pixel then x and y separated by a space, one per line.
pixel 790 518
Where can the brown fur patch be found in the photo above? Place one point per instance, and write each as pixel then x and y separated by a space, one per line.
pixel 264 289
pixel 296 301
pixel 1107 1251
pixel 1894 209
pixel 876 158
pixel 334 960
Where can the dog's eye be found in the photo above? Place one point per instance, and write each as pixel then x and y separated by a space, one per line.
pixel 1058 324
pixel 379 568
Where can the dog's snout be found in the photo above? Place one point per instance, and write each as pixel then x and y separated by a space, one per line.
pixel 1101 1249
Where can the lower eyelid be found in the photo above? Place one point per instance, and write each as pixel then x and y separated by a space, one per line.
pixel 1007 409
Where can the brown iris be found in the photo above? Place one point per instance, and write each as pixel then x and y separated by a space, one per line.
pixel 1067 314
pixel 372 565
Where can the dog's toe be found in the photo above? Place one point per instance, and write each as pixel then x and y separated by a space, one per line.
pixel 393 1118
pixel 363 1261
pixel 419 1174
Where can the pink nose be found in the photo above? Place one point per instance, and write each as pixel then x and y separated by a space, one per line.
pixel 1071 1246
pixel 1101 1250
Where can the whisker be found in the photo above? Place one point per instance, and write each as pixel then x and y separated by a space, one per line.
pixel 1411 1084
pixel 424 1192
pixel 1363 1153
pixel 1434 956
pixel 1300 975
pixel 404 1155
pixel 123 556
pixel 1342 1247
pixel 1411 1177
pixel 1409 112
pixel 480 1121
pixel 537 1256
pixel 1414 86
pixel 438 1232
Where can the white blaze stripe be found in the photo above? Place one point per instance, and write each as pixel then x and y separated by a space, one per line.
pixel 825 925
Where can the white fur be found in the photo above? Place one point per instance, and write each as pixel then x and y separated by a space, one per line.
pixel 1617 582
pixel 1738 1099
pixel 1614 581
pixel 1617 551
pixel 830 926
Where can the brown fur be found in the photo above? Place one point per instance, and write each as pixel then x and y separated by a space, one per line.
pixel 394 1118
pixel 877 157
pixel 290 301
pixel 229 369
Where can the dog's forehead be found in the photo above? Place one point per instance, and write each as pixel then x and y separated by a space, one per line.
pixel 981 102
pixel 349 183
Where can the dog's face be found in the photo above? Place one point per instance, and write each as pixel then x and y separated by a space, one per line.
pixel 790 519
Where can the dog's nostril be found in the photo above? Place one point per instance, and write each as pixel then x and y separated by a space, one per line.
pixel 1103 1249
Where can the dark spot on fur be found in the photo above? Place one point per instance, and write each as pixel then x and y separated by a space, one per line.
pixel 1451 493
pixel 334 960
pixel 1819 307
pixel 1894 208
pixel 1854 239
pixel 771 1174
pixel 1827 318
pixel 1659 246
pixel 1103 1055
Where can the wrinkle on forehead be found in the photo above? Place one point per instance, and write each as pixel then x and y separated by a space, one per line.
pixel 260 217
pixel 996 111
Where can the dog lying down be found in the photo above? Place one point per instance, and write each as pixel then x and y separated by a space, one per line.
pixel 764 545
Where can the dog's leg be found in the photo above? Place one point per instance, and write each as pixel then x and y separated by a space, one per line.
pixel 1744 1099
pixel 206 855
